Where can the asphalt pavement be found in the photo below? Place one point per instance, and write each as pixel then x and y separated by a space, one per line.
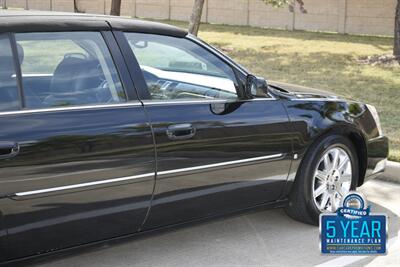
pixel 258 238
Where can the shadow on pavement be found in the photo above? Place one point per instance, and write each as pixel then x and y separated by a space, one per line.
pixel 266 237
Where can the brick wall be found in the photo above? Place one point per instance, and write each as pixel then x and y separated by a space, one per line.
pixel 374 17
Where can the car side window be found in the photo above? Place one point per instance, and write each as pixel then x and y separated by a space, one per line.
pixel 9 96
pixel 177 68
pixel 67 69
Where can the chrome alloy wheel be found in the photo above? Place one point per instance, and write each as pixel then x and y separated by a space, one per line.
pixel 332 179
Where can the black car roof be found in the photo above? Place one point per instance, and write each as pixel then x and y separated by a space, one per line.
pixel 31 21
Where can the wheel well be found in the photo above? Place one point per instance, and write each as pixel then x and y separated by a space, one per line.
pixel 361 148
pixel 359 144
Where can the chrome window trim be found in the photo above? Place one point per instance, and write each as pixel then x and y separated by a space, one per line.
pixel 205 101
pixel 127 104
pixel 145 175
pixel 71 108
pixel 185 102
pixel 263 99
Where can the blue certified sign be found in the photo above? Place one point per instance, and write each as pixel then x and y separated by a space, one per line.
pixel 352 229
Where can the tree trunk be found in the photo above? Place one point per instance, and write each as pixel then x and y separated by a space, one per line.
pixel 195 17
pixel 396 47
pixel 115 7
pixel 76 9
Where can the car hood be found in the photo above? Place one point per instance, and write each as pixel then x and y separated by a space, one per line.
pixel 299 91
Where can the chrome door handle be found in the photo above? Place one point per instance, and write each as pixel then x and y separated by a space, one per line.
pixel 8 149
pixel 181 131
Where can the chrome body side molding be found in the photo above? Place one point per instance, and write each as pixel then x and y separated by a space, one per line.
pixel 145 175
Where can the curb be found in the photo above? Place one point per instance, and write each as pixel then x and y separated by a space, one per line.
pixel 392 172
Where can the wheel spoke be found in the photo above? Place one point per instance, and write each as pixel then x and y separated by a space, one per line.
pixel 342 191
pixel 343 164
pixel 324 201
pixel 332 179
pixel 335 161
pixel 321 189
pixel 327 162
pixel 334 202
pixel 321 175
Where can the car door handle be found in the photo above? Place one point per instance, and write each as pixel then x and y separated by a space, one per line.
pixel 181 131
pixel 8 149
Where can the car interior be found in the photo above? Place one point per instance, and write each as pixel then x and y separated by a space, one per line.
pixel 168 85
pixel 179 69
pixel 79 78
pixel 84 77
pixel 8 86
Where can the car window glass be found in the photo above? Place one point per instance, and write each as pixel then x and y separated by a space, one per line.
pixel 67 69
pixel 177 68
pixel 9 97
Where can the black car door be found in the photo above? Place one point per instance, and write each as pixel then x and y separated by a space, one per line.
pixel 76 152
pixel 216 151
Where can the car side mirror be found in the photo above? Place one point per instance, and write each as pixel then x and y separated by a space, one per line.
pixel 256 86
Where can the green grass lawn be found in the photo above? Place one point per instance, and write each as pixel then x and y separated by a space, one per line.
pixel 321 60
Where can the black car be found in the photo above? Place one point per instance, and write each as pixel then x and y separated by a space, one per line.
pixel 113 126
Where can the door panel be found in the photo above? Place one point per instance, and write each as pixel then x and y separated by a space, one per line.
pixel 3 238
pixel 216 153
pixel 81 157
pixel 37 84
pixel 239 157
pixel 77 157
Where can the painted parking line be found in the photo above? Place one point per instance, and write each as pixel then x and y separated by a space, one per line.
pixel 347 260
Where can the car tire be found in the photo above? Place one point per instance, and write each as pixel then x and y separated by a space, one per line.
pixel 302 204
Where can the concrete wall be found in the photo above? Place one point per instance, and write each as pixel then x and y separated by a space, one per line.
pixel 374 17
pixel 370 16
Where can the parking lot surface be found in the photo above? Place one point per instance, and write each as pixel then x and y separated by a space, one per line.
pixel 258 238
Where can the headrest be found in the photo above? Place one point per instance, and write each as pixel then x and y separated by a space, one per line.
pixel 75 74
